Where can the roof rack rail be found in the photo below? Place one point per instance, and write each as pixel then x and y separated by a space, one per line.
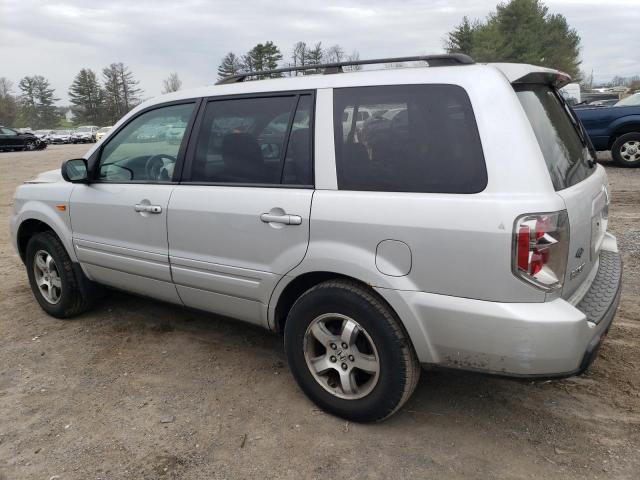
pixel 336 67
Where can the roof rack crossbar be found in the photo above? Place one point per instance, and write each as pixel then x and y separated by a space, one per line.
pixel 336 67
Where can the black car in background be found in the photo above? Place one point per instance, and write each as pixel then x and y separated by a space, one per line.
pixel 11 139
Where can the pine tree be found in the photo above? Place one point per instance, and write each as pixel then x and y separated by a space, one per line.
pixel 86 97
pixel 262 57
pixel 230 65
pixel 520 31
pixel 37 103
pixel 172 83
pixel 460 39
pixel 314 56
pixel 129 87
pixel 121 92
pixel 112 94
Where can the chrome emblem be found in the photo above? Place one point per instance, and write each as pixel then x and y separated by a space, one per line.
pixel 575 272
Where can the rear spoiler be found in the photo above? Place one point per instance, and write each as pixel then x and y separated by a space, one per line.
pixel 523 73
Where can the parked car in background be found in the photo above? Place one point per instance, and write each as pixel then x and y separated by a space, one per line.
pixel 604 103
pixel 373 254
pixel 363 115
pixel 174 133
pixel 11 139
pixel 61 136
pixel 102 132
pixel 150 133
pixel 44 135
pixel 85 134
pixel 615 128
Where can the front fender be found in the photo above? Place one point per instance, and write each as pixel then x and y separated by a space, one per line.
pixel 43 208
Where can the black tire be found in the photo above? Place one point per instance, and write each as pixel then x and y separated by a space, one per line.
pixel 619 150
pixel 29 145
pixel 399 369
pixel 75 292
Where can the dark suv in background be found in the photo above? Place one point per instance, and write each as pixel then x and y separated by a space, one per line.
pixel 11 139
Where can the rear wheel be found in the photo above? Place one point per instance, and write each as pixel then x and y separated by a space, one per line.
pixel 349 353
pixel 61 290
pixel 626 150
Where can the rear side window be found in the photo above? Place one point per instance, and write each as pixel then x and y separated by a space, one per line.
pixel 407 138
pixel 564 149
pixel 262 141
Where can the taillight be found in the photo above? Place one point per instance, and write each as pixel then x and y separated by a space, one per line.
pixel 541 243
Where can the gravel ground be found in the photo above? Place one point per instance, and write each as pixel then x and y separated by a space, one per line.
pixel 139 389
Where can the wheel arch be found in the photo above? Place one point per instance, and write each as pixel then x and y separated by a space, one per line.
pixel 28 229
pixel 36 222
pixel 628 126
pixel 284 297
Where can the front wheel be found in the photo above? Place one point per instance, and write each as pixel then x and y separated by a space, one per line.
pixel 626 150
pixel 61 290
pixel 29 145
pixel 349 353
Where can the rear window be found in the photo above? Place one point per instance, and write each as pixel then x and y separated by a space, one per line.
pixel 407 138
pixel 564 149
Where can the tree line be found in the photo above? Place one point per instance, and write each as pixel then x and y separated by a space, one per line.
pixel 520 31
pixel 267 56
pixel 94 100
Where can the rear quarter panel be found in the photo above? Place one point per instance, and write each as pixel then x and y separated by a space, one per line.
pixel 460 244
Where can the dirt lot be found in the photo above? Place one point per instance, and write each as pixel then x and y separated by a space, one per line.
pixel 139 389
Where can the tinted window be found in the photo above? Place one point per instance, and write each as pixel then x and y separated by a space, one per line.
pixel 407 138
pixel 143 151
pixel 565 152
pixel 244 141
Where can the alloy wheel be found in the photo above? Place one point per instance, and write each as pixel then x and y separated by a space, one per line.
pixel 341 356
pixel 47 276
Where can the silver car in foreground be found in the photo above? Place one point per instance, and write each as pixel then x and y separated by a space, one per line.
pixel 466 228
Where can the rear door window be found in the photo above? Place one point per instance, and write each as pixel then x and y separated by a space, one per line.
pixel 255 141
pixel 563 145
pixel 407 138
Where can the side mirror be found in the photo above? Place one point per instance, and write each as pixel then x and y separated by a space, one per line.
pixel 75 171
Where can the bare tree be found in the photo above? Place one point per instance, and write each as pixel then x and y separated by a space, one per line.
pixel 334 54
pixel 299 55
pixel 354 57
pixel 8 102
pixel 172 83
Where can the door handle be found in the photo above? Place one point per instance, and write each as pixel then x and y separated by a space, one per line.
pixel 147 208
pixel 286 219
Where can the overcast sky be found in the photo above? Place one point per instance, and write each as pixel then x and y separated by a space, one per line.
pixel 154 38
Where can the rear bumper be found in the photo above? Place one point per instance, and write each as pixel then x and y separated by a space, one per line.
pixel 554 338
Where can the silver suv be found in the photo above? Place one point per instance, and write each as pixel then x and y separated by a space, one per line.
pixel 461 224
